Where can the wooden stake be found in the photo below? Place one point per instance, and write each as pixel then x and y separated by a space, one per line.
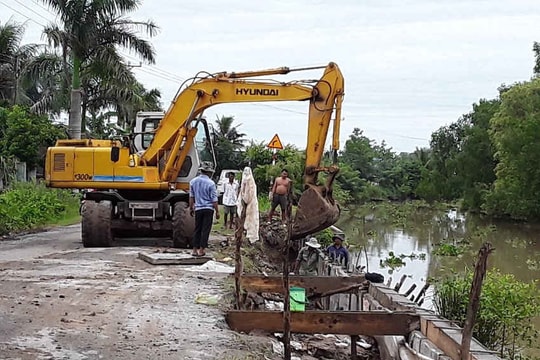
pixel 354 352
pixel 287 301
pixel 400 284
pixel 238 266
pixel 411 289
pixel 474 299
pixel 422 292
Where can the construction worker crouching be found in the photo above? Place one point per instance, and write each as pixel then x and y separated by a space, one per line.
pixel 307 262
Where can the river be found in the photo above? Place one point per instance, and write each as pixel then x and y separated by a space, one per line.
pixel 417 232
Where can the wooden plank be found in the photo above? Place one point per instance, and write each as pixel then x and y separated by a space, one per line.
pixel 327 322
pixel 173 259
pixel 439 331
pixel 312 284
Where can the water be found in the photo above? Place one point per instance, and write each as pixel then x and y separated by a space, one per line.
pixel 517 248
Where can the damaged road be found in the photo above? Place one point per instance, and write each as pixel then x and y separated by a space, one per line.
pixel 59 300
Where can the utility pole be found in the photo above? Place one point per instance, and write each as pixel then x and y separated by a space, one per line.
pixel 15 79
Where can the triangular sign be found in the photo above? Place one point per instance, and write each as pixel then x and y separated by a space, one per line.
pixel 275 143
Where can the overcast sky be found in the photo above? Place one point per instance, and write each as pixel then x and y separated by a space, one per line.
pixel 410 66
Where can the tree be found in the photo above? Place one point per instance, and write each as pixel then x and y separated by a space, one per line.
pixel 90 31
pixel 515 132
pixel 26 135
pixel 24 69
pixel 358 152
pixel 228 144
pixel 443 179
pixel 477 162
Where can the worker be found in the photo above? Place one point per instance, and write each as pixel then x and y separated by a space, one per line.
pixel 203 202
pixel 337 252
pixel 230 197
pixel 307 262
pixel 280 193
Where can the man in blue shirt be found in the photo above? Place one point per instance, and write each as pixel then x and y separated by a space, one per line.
pixel 203 201
pixel 337 252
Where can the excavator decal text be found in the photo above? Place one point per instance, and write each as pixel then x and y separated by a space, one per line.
pixel 263 92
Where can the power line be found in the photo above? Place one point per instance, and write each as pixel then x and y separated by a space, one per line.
pixel 164 77
pixel 280 108
pixel 156 69
pixel 32 10
pixel 44 8
pixel 20 13
pixel 152 70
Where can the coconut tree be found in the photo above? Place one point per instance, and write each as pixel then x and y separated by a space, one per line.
pixel 228 144
pixel 90 30
pixel 14 63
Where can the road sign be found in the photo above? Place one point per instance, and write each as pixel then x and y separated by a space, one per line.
pixel 275 143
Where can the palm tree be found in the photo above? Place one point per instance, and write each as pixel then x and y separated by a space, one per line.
pixel 228 144
pixel 90 31
pixel 226 131
pixel 139 99
pixel 14 63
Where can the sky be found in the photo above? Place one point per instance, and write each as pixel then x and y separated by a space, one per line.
pixel 410 66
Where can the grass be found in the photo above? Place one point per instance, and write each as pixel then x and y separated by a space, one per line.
pixel 71 217
pixel 28 206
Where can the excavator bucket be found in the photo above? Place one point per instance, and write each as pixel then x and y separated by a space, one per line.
pixel 316 211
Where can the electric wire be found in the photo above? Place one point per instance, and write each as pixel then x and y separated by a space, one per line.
pixel 32 10
pixel 20 13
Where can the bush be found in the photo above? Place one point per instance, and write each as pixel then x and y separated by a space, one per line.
pixel 507 308
pixel 28 205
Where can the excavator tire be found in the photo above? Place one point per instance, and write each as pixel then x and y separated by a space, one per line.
pixel 183 225
pixel 96 224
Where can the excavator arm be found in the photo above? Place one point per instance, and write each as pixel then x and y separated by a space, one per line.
pixel 324 96
pixel 317 209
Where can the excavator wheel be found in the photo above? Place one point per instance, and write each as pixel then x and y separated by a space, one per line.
pixel 316 211
pixel 96 224
pixel 183 225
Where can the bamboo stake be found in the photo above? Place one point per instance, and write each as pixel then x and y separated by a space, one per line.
pixel 474 299
pixel 287 301
pixel 238 266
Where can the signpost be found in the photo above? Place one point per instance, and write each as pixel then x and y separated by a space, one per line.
pixel 275 144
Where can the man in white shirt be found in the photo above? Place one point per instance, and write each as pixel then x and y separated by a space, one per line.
pixel 230 196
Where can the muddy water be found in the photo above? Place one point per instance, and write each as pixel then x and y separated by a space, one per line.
pixel 517 246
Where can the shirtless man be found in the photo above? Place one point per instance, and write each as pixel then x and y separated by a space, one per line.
pixel 280 193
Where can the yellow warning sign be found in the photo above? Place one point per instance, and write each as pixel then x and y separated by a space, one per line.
pixel 275 143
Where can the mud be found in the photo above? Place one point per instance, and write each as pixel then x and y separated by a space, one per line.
pixel 59 300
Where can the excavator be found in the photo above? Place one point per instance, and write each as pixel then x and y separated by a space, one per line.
pixel 145 192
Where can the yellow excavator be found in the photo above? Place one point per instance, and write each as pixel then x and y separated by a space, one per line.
pixel 144 192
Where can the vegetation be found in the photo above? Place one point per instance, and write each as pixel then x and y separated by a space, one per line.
pixel 392 261
pixel 28 205
pixel 483 159
pixel 26 136
pixel 88 38
pixel 507 308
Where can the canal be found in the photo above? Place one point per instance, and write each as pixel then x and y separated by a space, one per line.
pixel 382 236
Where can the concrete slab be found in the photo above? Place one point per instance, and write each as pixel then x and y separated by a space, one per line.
pixel 173 258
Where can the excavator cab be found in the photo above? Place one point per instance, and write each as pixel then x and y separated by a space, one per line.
pixel 146 124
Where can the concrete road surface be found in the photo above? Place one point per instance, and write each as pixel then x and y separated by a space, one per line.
pixel 59 300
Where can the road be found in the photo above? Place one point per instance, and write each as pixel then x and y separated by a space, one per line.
pixel 59 300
